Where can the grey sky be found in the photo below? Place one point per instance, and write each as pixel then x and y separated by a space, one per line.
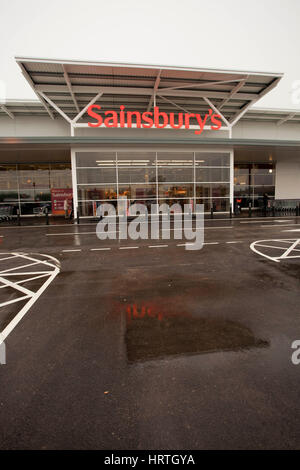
pixel 256 35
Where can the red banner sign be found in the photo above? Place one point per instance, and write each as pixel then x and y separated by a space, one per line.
pixel 58 197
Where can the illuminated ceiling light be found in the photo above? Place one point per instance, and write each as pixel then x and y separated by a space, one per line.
pixel 131 161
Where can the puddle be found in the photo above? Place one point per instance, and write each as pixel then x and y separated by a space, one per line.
pixel 153 334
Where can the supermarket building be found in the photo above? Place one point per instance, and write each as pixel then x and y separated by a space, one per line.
pixel 102 132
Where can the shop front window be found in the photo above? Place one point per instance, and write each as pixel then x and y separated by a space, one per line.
pixel 168 176
pixel 252 181
pixel 28 187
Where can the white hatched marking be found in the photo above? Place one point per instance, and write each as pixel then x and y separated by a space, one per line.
pixel 31 296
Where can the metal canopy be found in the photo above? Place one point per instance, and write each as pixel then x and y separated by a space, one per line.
pixel 15 108
pixel 67 87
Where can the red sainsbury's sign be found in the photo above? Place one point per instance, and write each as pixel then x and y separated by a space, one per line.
pixel 148 119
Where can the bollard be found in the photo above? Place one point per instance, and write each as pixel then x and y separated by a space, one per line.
pixel 77 216
pixel 250 210
pixel 230 211
pixel 211 213
pixel 47 216
pixel 18 217
pixel 273 211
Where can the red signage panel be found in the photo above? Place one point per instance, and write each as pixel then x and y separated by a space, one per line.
pixel 58 197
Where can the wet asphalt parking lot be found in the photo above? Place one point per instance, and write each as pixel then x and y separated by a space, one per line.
pixel 145 345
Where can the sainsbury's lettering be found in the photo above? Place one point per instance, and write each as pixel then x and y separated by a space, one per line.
pixel 148 119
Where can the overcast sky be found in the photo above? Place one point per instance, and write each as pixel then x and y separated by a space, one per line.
pixel 252 35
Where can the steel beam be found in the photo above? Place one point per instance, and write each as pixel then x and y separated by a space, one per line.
pixel 68 82
pixel 9 113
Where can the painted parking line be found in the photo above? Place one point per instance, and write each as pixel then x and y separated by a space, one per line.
pixel 69 251
pixel 71 233
pixel 292 230
pixel 128 247
pixel 184 244
pixel 158 246
pixel 172 229
pixel 278 226
pixel 265 221
pixel 100 249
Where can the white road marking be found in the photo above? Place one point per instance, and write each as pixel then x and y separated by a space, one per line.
pixel 26 280
pixel 100 249
pixel 273 246
pixel 286 250
pixel 236 241
pixel 278 226
pixel 172 229
pixel 291 248
pixel 18 267
pixel 211 243
pixel 71 233
pixel 292 230
pixel 184 244
pixel 128 247
pixel 265 222
pixel 158 246
pixel 7 257
pixel 69 251
pixel 215 228
pixel 31 295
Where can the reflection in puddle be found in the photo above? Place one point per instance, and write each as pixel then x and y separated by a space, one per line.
pixel 152 334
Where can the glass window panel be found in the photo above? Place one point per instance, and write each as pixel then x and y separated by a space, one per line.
pixel 175 190
pixel 95 159
pixel 262 169
pixel 35 194
pixel 96 175
pixel 136 159
pixel 266 179
pixel 8 177
pixel 35 208
pixel 138 191
pixel 181 202
pixel 175 159
pixel 241 179
pixel 241 169
pixel 89 208
pixel 212 174
pixel 9 196
pixel 213 190
pixel 34 176
pixel 219 205
pixel 242 190
pixel 97 192
pixel 177 174
pixel 136 175
pixel 60 175
pixel 261 190
pixel 212 159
